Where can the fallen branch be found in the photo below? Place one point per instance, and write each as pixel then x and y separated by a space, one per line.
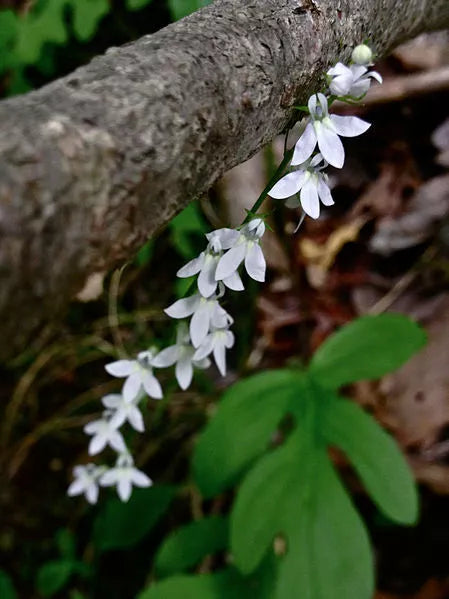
pixel 95 163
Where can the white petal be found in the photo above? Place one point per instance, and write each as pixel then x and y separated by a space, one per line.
pixel 234 282
pixel 358 70
pixel 288 185
pixel 135 419
pixel 375 75
pixel 324 193
pixel 91 428
pixel 309 199
pixel 116 441
pixel 140 479
pixel 205 348
pixel 131 387
pixel 304 146
pixel 183 307
pixel 255 263
pixel 338 69
pixel 348 126
pixel 92 493
pixel 167 357
pixel 118 418
pixel 76 488
pixel 200 323
pixel 330 145
pixel 220 319
pixel 152 386
pixel 230 261
pixel 121 367
pixel 112 401
pixel 124 488
pixel 227 237
pixel 206 281
pixel 220 357
pixel 360 88
pixel 229 339
pixel 191 268
pixel 109 478
pixel 97 444
pixel 184 373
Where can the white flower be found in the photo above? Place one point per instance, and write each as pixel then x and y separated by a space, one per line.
pixel 206 312
pixel 180 354
pixel 351 81
pixel 311 182
pixel 86 481
pixel 122 411
pixel 324 129
pixel 247 248
pixel 125 475
pixel 216 342
pixel 139 374
pixel 206 263
pixel 362 54
pixel 104 433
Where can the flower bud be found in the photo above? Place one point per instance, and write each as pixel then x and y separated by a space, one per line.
pixel 362 54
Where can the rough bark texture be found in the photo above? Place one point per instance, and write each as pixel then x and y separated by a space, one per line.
pixel 94 163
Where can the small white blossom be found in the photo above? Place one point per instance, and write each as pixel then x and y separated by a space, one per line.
pixel 124 475
pixel 324 129
pixel 216 342
pixel 362 54
pixel 181 354
pixel 124 411
pixel 205 312
pixel 351 81
pixel 246 248
pixel 206 263
pixel 104 433
pixel 86 482
pixel 139 374
pixel 310 182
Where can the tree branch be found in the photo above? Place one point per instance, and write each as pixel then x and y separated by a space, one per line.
pixel 94 163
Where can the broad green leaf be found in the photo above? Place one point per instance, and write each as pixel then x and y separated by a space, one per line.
pixel 367 348
pixel 328 552
pixel 7 590
pixel 268 500
pixel 188 545
pixel 376 457
pixel 137 4
pixel 8 32
pixel 121 525
pixel 87 15
pixel 53 576
pixel 226 584
pixel 186 224
pixel 182 8
pixel 241 429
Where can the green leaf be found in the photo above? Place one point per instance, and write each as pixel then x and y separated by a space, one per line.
pixel 7 590
pixel 136 4
pixel 376 457
pixel 66 543
pixel 121 525
pixel 87 15
pixel 188 545
pixel 53 576
pixel 328 555
pixel 226 584
pixel 367 348
pixel 241 429
pixel 182 8
pixel 269 498
pixel 183 227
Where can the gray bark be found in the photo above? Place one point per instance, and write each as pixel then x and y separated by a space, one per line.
pixel 95 163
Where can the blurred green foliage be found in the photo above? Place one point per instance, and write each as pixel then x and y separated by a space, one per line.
pixel 30 40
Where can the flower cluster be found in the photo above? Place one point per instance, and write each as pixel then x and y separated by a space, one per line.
pixel 203 331
pixel 307 185
pixel 207 334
